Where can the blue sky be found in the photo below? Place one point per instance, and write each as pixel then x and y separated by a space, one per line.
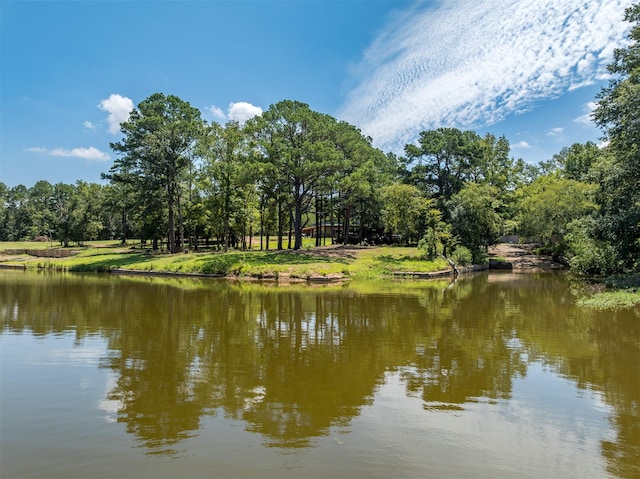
pixel 70 71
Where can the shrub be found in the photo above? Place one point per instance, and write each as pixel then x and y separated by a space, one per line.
pixel 588 255
pixel 462 256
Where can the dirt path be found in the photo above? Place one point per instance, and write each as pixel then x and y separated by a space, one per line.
pixel 522 257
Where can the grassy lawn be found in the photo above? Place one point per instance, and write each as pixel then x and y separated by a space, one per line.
pixel 11 245
pixel 309 262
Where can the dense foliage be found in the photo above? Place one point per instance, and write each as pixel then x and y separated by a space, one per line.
pixel 180 183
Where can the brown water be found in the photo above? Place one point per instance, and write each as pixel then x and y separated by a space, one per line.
pixel 497 375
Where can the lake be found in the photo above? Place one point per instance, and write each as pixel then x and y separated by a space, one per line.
pixel 495 375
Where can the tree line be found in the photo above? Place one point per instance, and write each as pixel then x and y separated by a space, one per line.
pixel 178 181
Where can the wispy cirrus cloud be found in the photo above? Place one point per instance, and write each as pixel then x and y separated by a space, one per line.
pixel 89 154
pixel 469 64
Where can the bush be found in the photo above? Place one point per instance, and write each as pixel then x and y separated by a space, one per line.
pixel 480 256
pixel 595 260
pixel 587 255
pixel 462 256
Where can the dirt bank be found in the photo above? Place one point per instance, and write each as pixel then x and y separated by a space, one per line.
pixel 521 257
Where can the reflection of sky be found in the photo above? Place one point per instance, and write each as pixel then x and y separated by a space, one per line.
pixel 544 397
pixel 110 406
pixel 547 429
pixel 27 350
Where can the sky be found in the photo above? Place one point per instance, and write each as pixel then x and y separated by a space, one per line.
pixel 70 72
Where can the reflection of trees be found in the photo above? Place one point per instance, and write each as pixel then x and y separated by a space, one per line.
pixel 600 351
pixel 470 354
pixel 291 362
pixel 153 360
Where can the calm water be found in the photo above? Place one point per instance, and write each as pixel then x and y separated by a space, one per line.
pixel 496 375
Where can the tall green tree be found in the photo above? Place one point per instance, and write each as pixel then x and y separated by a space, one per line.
pixel 494 165
pixel 362 170
pixel 225 172
pixel 618 177
pixel 4 212
pixel 296 143
pixel 63 204
pixel 159 138
pixel 549 204
pixel 443 161
pixel 87 204
pixel 475 217
pixel 405 209
pixel 17 214
pixel 40 209
pixel 120 201
pixel 575 162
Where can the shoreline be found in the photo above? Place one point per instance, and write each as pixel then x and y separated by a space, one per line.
pixel 331 264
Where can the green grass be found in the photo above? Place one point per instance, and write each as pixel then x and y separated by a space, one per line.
pixel 9 245
pixel 383 261
pixel 622 292
pixel 611 300
pixel 364 263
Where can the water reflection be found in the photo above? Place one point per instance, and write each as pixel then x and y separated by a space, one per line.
pixel 292 362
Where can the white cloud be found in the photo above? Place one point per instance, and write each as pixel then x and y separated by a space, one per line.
pixel 469 64
pixel 243 111
pixel 521 144
pixel 586 118
pixel 119 107
pixel 89 154
pixel 555 131
pixel 89 126
pixel 217 112
pixel 240 111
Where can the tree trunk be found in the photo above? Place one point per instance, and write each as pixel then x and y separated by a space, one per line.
pixel 297 224
pixel 347 223
pixel 261 223
pixel 331 217
pixel 123 238
pixel 338 218
pixel 362 215
pixel 181 222
pixel 291 227
pixel 318 225
pixel 244 236
pixel 280 225
pixel 171 234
